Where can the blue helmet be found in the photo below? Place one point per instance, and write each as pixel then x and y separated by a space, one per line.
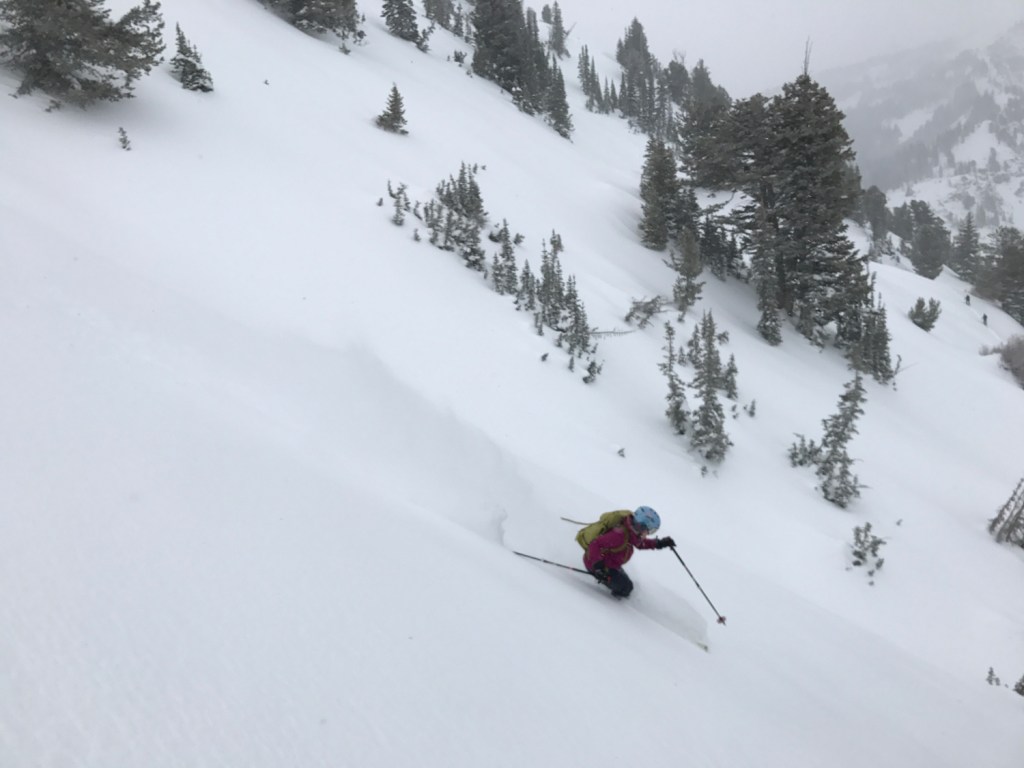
pixel 646 520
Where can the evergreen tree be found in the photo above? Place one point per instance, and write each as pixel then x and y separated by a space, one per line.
pixel 705 111
pixel 659 192
pixel 676 411
pixel 820 276
pixel 500 42
pixel 714 248
pixel 187 65
pixel 929 249
pixel 576 335
pixel 556 107
pixel 400 18
pixel 924 316
pixel 876 212
pixel 503 269
pixel 838 484
pixel 441 12
pixel 708 436
pixel 688 267
pixel 526 296
pixel 557 34
pixel 393 117
pixel 320 16
pixel 456 215
pixel 71 50
pixel 1001 276
pixel 966 251
pixel 871 354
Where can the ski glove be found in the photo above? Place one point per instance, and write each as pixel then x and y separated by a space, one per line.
pixel 600 573
pixel 665 542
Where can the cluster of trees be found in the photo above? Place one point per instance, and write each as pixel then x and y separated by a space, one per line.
pixel 455 218
pixel 793 159
pixel 705 423
pixel 995 268
pixel 340 17
pixel 509 51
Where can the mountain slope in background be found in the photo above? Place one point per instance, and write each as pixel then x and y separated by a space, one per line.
pixel 266 455
pixel 944 124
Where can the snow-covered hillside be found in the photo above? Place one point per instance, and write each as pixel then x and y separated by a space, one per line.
pixel 266 457
pixel 943 123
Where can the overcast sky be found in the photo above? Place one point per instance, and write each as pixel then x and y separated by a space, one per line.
pixel 752 45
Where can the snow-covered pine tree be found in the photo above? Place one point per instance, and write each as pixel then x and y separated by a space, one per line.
pixel 400 19
pixel 659 191
pixel 1008 524
pixel 456 216
pixel 676 411
pixel 870 353
pixel 576 335
pixel 504 271
pixel 441 12
pixel 392 119
pixel 556 108
pixel 728 382
pixel 526 296
pixel 707 436
pixel 320 16
pixel 838 484
pixel 187 65
pixel 551 289
pixel 688 267
pixel 73 52
pixel 705 110
pixel 821 278
pixel 923 315
pixel 966 252
pixel 556 33
pixel 929 247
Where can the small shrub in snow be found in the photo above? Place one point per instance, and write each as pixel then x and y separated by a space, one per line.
pixel 1012 355
pixel 924 316
pixel 864 549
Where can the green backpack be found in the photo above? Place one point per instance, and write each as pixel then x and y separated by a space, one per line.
pixel 605 523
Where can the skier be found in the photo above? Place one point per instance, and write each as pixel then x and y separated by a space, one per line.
pixel 618 533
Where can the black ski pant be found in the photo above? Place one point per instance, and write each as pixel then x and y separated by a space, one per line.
pixel 615 579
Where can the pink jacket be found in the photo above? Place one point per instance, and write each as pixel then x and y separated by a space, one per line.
pixel 616 547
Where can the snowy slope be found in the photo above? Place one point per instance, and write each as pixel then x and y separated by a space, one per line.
pixel 266 457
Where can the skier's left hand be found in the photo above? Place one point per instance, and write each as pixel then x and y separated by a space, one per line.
pixel 666 541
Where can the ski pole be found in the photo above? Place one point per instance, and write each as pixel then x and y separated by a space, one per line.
pixel 550 562
pixel 721 618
